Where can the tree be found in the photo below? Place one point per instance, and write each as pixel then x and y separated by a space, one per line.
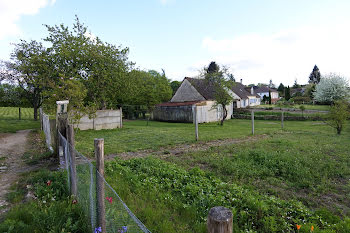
pixel 12 96
pixel 302 108
pixel 287 93
pixel 315 75
pixel 271 85
pixel 220 80
pixel 280 88
pixel 331 88
pixel 101 67
pixel 270 97
pixel 296 85
pixel 174 86
pixel 338 115
pixel 31 68
pixel 151 88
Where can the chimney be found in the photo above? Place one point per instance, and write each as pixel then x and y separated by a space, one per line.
pixel 252 90
pixel 241 81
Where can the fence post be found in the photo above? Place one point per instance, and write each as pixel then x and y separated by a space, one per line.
pixel 195 120
pixel 100 191
pixel 19 113
pixel 252 113
pixel 62 125
pixel 41 118
pixel 282 120
pixel 73 173
pixel 220 220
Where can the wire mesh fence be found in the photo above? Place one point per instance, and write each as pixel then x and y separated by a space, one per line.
pixel 118 216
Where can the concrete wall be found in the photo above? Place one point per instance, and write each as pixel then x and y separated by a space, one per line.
pixel 105 119
pixel 186 92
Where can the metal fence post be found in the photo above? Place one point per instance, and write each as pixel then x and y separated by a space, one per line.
pixel 100 186
pixel 73 172
pixel 220 220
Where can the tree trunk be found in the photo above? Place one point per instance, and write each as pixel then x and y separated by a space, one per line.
pixel 224 115
pixel 35 106
pixel 339 128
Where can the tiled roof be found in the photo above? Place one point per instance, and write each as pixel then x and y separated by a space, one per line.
pixel 173 104
pixel 204 87
pixel 239 89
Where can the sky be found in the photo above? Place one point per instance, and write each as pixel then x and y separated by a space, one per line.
pixel 259 40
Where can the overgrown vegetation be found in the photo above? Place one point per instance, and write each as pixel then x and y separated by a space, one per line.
pixel 51 210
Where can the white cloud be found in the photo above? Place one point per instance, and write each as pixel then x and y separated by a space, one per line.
pixel 12 10
pixel 283 56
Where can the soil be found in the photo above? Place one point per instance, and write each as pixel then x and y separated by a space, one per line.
pixel 184 148
pixel 12 148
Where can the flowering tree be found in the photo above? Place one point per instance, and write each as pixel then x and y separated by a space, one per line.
pixel 331 88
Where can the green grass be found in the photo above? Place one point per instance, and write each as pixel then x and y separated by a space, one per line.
pixel 9 122
pixel 296 176
pixel 296 106
pixel 135 135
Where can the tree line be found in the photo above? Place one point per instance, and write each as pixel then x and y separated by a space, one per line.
pixel 71 64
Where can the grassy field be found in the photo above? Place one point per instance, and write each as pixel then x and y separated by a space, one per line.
pixel 9 122
pixel 296 176
pixel 296 106
pixel 136 135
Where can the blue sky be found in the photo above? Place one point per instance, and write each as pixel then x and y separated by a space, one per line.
pixel 258 39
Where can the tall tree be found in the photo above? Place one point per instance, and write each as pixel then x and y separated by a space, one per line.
pixel 271 85
pixel 175 85
pixel 219 78
pixel 331 88
pixel 32 69
pixel 296 85
pixel 315 75
pixel 287 93
pixel 280 89
pixel 100 66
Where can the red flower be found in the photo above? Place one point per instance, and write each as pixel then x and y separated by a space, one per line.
pixel 298 227
pixel 109 199
pixel 74 202
pixel 48 183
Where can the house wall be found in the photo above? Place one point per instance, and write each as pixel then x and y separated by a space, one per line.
pixel 206 112
pixel 274 95
pixel 253 101
pixel 173 113
pixel 186 92
pixel 105 119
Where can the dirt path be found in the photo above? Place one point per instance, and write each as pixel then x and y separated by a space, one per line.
pixel 12 147
pixel 184 148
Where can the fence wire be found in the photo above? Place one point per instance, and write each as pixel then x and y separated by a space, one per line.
pixel 119 218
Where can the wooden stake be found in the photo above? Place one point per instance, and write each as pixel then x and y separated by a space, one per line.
pixel 100 186
pixel 282 120
pixel 195 120
pixel 73 172
pixel 19 113
pixel 252 122
pixel 220 220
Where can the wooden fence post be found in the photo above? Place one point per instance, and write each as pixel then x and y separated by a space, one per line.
pixel 41 118
pixel 100 186
pixel 19 113
pixel 220 220
pixel 195 120
pixel 282 120
pixel 252 113
pixel 73 171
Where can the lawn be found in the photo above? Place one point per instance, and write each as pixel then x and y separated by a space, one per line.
pixel 296 106
pixel 136 135
pixel 9 122
pixel 296 176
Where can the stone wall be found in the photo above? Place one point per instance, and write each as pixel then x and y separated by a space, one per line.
pixel 105 119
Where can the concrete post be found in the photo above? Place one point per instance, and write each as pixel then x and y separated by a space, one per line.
pixel 73 172
pixel 252 112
